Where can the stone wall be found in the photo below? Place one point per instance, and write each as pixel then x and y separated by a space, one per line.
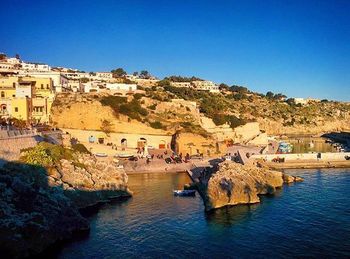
pixel 307 156
pixel 247 132
pixel 196 144
pixel 10 148
pixel 116 138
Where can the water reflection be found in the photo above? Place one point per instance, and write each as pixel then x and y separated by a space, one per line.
pixel 310 144
pixel 228 216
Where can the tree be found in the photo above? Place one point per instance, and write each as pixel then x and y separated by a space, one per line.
pixel 106 127
pixel 135 73
pixel 119 72
pixel 270 95
pixel 145 74
pixel 223 86
pixel 279 97
pixel 17 56
pixel 291 101
pixel 164 83
pixel 2 56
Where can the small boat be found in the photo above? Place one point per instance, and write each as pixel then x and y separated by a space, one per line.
pixel 184 192
pixel 101 154
pixel 124 155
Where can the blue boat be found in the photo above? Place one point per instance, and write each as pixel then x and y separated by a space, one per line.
pixel 184 192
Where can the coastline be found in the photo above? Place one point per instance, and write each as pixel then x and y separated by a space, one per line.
pixel 307 164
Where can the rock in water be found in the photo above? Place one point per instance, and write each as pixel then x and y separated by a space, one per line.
pixel 236 184
pixel 291 179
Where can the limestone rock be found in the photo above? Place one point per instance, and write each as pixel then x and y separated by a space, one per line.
pixel 236 184
pixel 291 179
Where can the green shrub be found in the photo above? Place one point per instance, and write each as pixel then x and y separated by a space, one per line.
pixel 156 125
pixel 133 109
pixel 46 154
pixel 152 107
pixel 138 96
pixel 113 101
pixel 80 148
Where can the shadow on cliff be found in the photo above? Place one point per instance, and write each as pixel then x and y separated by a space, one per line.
pixel 37 216
pixel 341 137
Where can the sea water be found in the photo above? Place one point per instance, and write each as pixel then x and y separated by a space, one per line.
pixel 311 218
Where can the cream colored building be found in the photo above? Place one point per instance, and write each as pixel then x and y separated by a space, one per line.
pixel 115 87
pixel 205 86
pixel 104 75
pixel 60 81
pixel 181 84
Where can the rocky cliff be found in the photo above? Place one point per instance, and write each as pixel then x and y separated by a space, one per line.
pixel 234 184
pixel 39 206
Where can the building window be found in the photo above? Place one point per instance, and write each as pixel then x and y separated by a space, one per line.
pixel 14 85
pixel 16 109
pixel 2 94
pixel 47 86
pixel 42 86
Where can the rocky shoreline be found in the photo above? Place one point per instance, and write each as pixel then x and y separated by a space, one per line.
pixel 232 184
pixel 39 206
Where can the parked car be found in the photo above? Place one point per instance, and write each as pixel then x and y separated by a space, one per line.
pixel 196 156
pixel 133 158
pixel 178 159
pixel 168 160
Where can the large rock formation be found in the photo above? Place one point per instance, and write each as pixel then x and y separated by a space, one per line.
pixel 235 184
pixel 39 206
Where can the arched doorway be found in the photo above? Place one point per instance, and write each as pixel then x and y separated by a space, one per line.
pixel 124 143
pixel 142 143
pixel 162 144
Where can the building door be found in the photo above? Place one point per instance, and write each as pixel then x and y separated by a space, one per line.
pixel 162 144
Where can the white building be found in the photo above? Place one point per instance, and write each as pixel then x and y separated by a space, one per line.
pixel 300 101
pixel 6 66
pixel 60 82
pixel 24 89
pixel 104 75
pixel 75 86
pixel 77 75
pixel 132 77
pixel 35 67
pixel 13 61
pixel 91 87
pixel 205 86
pixel 181 84
pixel 121 87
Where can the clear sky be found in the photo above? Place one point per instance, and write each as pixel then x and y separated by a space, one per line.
pixel 300 48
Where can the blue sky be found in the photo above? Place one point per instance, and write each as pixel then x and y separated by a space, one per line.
pixel 300 48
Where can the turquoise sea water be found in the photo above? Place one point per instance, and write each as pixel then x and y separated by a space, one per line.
pixel 305 219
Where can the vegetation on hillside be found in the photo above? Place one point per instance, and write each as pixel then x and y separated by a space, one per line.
pixel 48 155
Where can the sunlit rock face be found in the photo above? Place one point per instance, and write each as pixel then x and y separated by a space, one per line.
pixel 91 181
pixel 236 184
